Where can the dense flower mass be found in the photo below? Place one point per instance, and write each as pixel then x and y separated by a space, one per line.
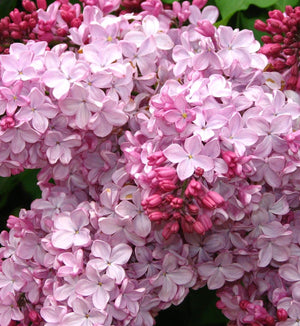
pixel 168 160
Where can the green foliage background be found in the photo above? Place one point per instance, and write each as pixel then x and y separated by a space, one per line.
pixel 17 192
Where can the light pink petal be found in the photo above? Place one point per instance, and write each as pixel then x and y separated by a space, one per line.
pixel 121 253
pixel 232 272
pixel 175 153
pixel 62 239
pixel 168 290
pixel 210 13
pixel 135 37
pixel 79 217
pixel 39 122
pixel 142 225
pixel 281 124
pixel 100 298
pixel 86 287
pixel 163 41
pixel 289 272
pixel 181 276
pixel 185 168
pixel 116 272
pixel 207 269
pixel 82 238
pixel 73 319
pixel 101 249
pixel 216 280
pixel 265 256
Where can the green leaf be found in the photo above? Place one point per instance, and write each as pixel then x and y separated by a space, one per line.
pixel 247 22
pixel 229 8
pixel 168 1
pixel 6 7
pixel 282 3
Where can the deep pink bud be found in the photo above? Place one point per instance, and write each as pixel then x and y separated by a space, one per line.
pixel 16 35
pixel 167 185
pixel 244 304
pixel 199 3
pixel 270 321
pixel 34 317
pixel 271 49
pixel 193 209
pixel 193 189
pixel 276 14
pixel 166 173
pixel 29 5
pixel 154 200
pixel 260 25
pixel 212 200
pixel 42 4
pixel 169 229
pixel 15 16
pixel 205 221
pixel 61 32
pixel 189 219
pixel 176 202
pixel 23 25
pixel 282 314
pixel 198 227
pixel 76 22
pixel 156 216
pixel 205 27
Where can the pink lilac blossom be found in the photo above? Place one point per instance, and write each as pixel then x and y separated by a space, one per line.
pixel 160 171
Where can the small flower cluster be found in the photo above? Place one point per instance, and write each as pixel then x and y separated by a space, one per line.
pixel 169 160
pixel 39 23
pixel 282 45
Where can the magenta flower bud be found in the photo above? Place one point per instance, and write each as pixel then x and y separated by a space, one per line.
pixel 34 317
pixel 166 173
pixel 156 158
pixel 177 202
pixel 156 216
pixel 193 188
pixel 167 185
pixel 199 172
pixel 282 314
pixel 205 27
pixel 176 7
pixel 228 157
pixel 29 5
pixel 212 200
pixel 199 3
pixel 276 14
pixel 271 49
pixel 193 209
pixel 244 304
pixel 169 229
pixel 23 25
pixel 76 22
pixel 189 219
pixel 205 221
pixel 42 4
pixel 269 321
pixel 260 25
pixel 16 35
pixel 291 60
pixel 153 201
pixel 198 227
pixel 15 16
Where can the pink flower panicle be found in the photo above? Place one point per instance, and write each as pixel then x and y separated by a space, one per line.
pixel 169 159
pixel 281 46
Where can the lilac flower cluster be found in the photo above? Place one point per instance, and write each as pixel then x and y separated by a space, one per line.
pixel 282 44
pixel 169 160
